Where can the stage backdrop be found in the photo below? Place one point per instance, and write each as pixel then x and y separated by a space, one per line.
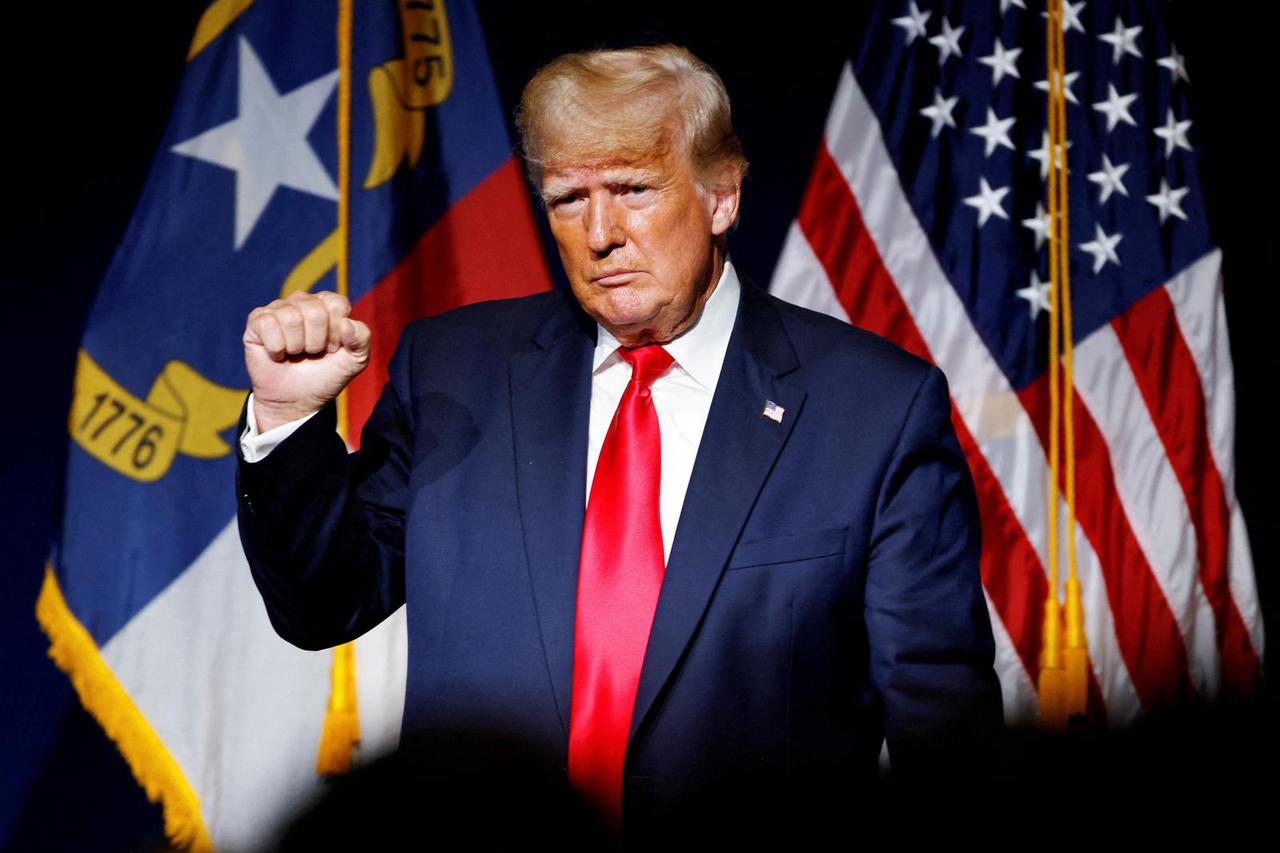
pixel 819 96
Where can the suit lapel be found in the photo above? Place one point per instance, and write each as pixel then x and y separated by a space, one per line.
pixel 550 408
pixel 737 452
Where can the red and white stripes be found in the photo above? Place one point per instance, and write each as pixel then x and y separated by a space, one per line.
pixel 1171 607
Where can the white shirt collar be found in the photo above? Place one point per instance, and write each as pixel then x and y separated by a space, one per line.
pixel 700 350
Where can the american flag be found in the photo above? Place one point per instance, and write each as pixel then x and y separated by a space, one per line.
pixel 924 220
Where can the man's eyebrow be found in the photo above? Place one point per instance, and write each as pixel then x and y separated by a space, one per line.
pixel 554 190
pixel 631 175
pixel 620 175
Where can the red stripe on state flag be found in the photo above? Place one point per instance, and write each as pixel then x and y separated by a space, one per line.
pixel 1170 385
pixel 832 224
pixel 484 247
pixel 1149 637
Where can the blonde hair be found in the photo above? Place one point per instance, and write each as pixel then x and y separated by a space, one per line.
pixel 625 106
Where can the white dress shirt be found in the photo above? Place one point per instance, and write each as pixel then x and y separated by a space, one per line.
pixel 681 396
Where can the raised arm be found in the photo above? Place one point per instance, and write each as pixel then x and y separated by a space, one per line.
pixel 322 529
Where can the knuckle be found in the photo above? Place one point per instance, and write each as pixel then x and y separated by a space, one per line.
pixel 335 303
pixel 312 312
pixel 261 324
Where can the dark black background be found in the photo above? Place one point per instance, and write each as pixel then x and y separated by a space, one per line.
pixel 88 88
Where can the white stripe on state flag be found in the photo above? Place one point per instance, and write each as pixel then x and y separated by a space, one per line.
pixel 239 709
pixel 1197 304
pixel 1151 496
pixel 381 672
pixel 980 390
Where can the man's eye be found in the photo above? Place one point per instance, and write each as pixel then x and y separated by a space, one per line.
pixel 636 189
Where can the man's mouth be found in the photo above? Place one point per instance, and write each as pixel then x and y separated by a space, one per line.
pixel 613 278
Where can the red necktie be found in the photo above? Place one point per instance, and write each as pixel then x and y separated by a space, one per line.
pixel 618 583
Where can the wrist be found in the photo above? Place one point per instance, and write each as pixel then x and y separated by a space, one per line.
pixel 268 415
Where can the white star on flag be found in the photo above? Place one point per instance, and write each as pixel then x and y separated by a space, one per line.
pixel 947 42
pixel 1174 134
pixel 913 22
pixel 1037 295
pixel 266 144
pixel 1069 80
pixel 987 202
pixel 1041 224
pixel 939 112
pixel 1042 154
pixel 1070 16
pixel 1122 40
pixel 1005 4
pixel 1175 63
pixel 994 132
pixel 1169 201
pixel 1116 108
pixel 1001 62
pixel 1103 248
pixel 1108 179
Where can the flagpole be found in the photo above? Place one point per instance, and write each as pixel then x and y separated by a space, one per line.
pixel 341 730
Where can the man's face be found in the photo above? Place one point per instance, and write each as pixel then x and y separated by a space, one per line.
pixel 638 242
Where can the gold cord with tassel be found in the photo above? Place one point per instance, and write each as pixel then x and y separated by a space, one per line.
pixel 1064 654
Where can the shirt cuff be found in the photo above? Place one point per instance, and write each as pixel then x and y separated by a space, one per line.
pixel 255 446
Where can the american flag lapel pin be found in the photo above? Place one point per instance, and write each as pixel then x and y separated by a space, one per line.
pixel 773 411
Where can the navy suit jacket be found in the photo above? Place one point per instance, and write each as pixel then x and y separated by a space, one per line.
pixel 822 590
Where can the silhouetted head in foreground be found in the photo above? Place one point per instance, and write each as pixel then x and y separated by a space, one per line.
pixel 450 790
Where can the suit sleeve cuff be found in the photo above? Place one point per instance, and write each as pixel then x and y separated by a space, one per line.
pixel 255 446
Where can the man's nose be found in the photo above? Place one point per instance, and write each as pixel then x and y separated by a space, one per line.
pixel 604 229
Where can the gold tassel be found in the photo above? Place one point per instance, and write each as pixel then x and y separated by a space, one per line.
pixel 1064 657
pixel 1053 680
pixel 1075 654
pixel 341 730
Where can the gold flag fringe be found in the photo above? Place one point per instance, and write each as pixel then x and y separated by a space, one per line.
pixel 105 698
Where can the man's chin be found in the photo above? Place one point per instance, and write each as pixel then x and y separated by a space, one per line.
pixel 631 327
pixel 636 334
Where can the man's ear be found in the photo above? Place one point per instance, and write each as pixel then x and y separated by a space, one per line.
pixel 724 193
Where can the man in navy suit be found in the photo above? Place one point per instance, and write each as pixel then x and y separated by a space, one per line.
pixel 705 548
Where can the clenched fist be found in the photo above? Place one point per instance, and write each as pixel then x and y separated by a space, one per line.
pixel 301 351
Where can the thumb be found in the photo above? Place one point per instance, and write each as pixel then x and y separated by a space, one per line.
pixel 355 337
